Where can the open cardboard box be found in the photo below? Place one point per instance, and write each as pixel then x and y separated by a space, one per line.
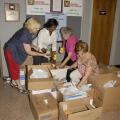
pixel 44 106
pixel 58 85
pixel 98 83
pixel 73 106
pixel 109 111
pixel 101 79
pixel 108 69
pixel 39 83
pixel 78 110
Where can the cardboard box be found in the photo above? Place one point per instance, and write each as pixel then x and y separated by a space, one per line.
pixel 71 108
pixel 60 87
pixel 44 107
pixel 23 75
pixel 111 104
pixel 94 114
pixel 101 79
pixel 98 84
pixel 108 69
pixel 48 65
pixel 39 83
pixel 109 111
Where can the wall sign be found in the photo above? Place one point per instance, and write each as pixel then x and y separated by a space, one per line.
pixel 12 12
pixel 56 6
pixel 73 7
pixel 37 7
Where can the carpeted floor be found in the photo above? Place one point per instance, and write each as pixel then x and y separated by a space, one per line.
pixel 13 105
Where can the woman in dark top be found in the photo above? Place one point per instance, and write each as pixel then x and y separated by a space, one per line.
pixel 18 47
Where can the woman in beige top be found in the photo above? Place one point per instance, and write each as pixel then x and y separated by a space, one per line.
pixel 86 65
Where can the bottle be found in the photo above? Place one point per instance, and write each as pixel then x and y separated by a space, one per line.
pixel 49 49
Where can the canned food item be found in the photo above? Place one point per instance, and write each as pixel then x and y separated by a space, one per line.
pixel 61 50
pixel 54 57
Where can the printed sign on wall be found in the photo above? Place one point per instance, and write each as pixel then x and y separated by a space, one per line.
pixel 67 7
pixel 73 7
pixel 37 7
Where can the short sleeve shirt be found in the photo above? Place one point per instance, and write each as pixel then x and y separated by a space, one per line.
pixel 15 44
pixel 86 63
pixel 70 47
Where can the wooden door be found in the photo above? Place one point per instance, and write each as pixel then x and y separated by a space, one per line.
pixel 102 29
pixel 0 62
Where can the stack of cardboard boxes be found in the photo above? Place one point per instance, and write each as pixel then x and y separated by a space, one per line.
pixel 46 107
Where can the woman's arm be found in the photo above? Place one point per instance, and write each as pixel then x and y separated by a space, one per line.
pixel 74 65
pixel 85 77
pixel 35 47
pixel 66 60
pixel 28 50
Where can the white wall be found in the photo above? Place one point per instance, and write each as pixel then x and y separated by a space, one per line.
pixel 7 29
pixel 87 20
pixel 115 51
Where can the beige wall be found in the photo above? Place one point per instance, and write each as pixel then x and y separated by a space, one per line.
pixel 7 29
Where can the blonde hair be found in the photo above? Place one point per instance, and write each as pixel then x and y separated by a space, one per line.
pixel 81 46
pixel 30 23
pixel 66 30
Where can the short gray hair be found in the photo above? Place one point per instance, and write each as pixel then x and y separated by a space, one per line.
pixel 65 30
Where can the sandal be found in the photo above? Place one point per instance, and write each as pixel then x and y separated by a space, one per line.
pixel 13 85
pixel 24 91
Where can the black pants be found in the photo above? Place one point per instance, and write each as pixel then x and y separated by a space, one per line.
pixel 39 60
pixel 70 62
pixel 68 74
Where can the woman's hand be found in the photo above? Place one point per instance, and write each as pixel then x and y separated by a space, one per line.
pixel 43 50
pixel 47 56
pixel 59 66
pixel 78 85
pixel 67 67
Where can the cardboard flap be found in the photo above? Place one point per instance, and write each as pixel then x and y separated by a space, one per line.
pixel 43 67
pixel 94 114
pixel 78 105
pixel 111 100
pixel 101 79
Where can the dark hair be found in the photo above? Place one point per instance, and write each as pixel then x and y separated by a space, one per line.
pixel 51 22
pixel 81 46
